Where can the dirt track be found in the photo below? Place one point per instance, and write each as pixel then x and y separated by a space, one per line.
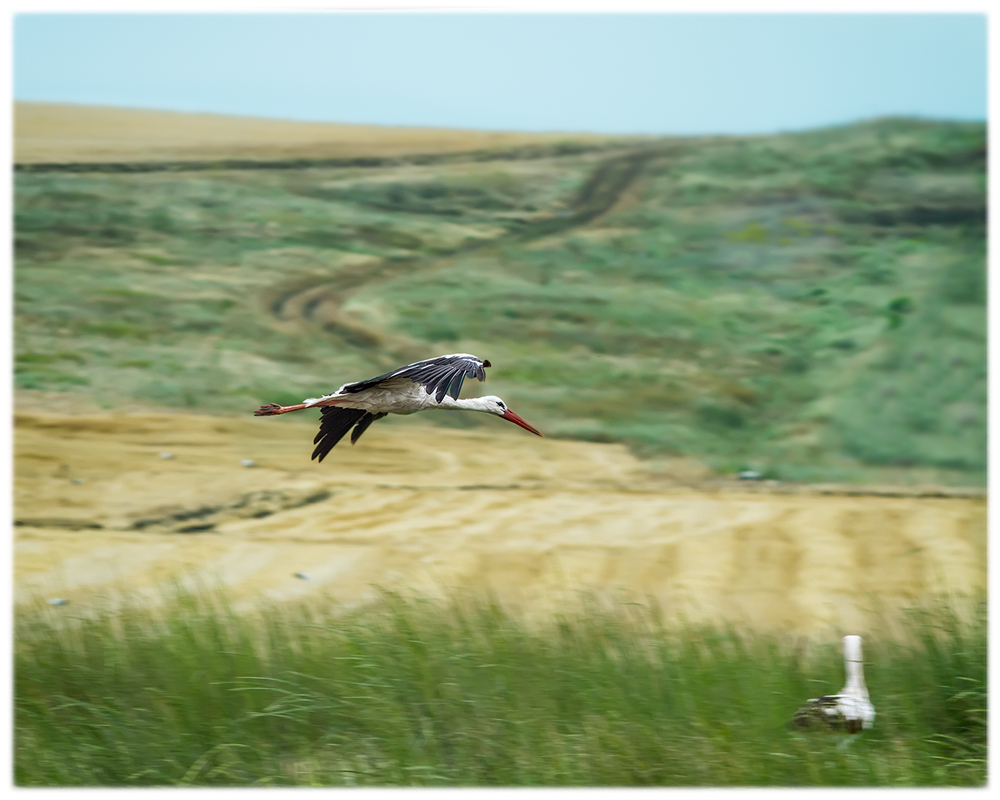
pixel 420 508
pixel 319 300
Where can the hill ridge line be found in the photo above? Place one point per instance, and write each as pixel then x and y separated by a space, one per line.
pixel 525 152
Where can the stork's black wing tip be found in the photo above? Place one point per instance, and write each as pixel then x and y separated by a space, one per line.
pixel 363 424
pixel 334 423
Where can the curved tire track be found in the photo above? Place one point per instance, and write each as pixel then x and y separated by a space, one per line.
pixel 317 301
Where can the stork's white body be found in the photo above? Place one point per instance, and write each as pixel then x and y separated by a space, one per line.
pixel 400 396
pixel 853 701
pixel 431 384
pixel 851 708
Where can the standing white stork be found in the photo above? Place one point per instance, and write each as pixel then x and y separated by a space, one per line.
pixel 851 709
pixel 434 383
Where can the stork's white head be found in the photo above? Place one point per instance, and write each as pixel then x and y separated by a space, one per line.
pixel 494 405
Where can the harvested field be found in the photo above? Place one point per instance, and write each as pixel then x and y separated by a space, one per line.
pixel 420 509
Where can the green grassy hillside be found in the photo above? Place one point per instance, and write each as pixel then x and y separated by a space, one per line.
pixel 811 305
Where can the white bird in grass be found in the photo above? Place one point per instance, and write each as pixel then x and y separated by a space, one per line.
pixel 434 383
pixel 851 710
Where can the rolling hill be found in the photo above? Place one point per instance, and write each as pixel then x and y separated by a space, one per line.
pixel 810 306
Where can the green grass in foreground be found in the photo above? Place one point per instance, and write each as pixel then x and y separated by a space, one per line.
pixel 465 693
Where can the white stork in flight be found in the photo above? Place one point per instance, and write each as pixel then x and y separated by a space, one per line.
pixel 434 383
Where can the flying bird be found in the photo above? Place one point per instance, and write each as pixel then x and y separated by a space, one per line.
pixel 433 383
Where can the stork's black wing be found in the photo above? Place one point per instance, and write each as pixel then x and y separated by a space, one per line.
pixel 362 426
pixel 333 424
pixel 439 376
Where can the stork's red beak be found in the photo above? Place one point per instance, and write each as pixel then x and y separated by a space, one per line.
pixel 510 415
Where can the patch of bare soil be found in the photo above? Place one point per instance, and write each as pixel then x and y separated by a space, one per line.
pixel 100 507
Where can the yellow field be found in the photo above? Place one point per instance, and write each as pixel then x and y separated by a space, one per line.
pixel 420 509
pixel 46 132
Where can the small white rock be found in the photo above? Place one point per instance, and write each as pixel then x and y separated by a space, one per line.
pixel 749 475
pixel 77 481
pixel 246 462
pixel 303 575
pixel 58 601
pixel 165 456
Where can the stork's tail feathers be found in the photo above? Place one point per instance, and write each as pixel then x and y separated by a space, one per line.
pixel 824 713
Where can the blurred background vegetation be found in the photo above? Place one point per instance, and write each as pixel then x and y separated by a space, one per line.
pixel 811 306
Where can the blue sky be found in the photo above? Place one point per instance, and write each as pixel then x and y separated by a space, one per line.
pixel 630 73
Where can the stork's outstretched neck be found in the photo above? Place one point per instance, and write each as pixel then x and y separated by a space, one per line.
pixel 490 405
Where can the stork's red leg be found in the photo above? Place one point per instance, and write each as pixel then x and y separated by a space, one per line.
pixel 273 408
